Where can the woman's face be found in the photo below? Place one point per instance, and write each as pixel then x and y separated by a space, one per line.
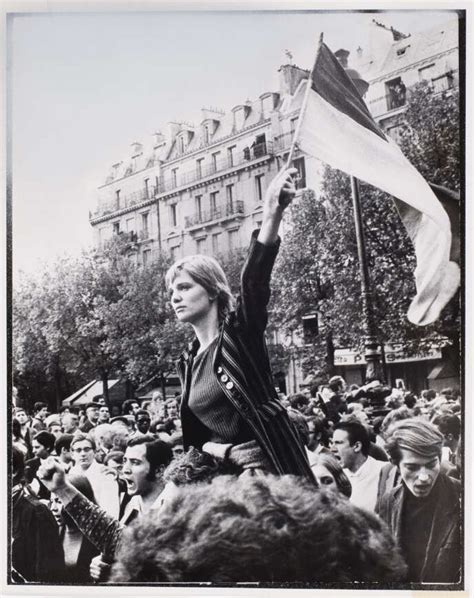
pixel 325 478
pixel 56 508
pixel 190 300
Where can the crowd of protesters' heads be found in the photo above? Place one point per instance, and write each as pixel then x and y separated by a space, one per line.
pixel 387 463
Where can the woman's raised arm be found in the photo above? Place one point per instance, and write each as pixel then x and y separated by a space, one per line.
pixel 278 196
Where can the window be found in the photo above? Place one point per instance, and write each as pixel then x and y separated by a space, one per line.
pixel 426 73
pixel 259 147
pixel 198 204
pixel 145 225
pixel 146 256
pixel 443 83
pixel 207 134
pixel 233 239
pixel 175 252
pixel 181 144
pixel 130 224
pixel 173 215
pixel 116 228
pixel 201 245
pixel 230 156
pixel 215 162
pixel 240 116
pixel 199 162
pixel 310 329
pixel 396 93
pixel 259 186
pixel 301 177
pixel 117 199
pixel 174 177
pixel 402 51
pixel 230 198
pixel 216 243
pixel 213 203
pixel 293 123
pixel 147 188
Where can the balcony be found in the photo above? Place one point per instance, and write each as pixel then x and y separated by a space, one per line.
pixel 219 214
pixel 123 202
pixel 255 152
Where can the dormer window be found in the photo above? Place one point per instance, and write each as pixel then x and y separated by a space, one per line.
pixel 268 102
pixel 240 115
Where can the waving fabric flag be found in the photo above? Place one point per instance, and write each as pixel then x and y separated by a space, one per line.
pixel 336 127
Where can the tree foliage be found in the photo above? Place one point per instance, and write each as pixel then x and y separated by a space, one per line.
pixel 96 316
pixel 318 269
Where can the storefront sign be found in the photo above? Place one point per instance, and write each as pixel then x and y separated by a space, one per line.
pixel 393 354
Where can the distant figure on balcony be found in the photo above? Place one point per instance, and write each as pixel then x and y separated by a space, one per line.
pixel 398 95
pixel 229 403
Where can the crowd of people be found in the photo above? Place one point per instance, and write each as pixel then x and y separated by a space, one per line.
pixel 97 498
pixel 235 482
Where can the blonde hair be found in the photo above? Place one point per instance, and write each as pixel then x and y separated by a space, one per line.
pixel 207 272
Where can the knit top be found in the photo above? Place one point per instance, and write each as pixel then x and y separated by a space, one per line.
pixel 210 405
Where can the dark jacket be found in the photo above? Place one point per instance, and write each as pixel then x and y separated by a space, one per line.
pixel 87 426
pixel 37 552
pixel 442 562
pixel 80 573
pixel 242 368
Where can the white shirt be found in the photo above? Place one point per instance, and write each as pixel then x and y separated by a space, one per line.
pixel 104 486
pixel 365 483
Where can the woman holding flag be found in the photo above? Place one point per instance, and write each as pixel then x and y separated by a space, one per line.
pixel 229 403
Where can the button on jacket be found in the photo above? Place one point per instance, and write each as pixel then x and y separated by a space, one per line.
pixel 242 368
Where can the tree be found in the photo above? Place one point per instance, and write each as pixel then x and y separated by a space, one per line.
pixel 95 316
pixel 318 267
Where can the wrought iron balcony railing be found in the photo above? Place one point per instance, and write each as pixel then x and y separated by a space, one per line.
pixel 206 216
pixel 249 154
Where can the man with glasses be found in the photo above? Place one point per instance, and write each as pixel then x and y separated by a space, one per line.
pixel 103 482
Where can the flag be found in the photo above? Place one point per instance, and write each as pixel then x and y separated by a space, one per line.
pixel 336 127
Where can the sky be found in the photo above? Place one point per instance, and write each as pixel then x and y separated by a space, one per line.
pixel 83 87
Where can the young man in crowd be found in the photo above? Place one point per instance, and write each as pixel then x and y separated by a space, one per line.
pixel 351 444
pixel 92 417
pixel 40 412
pixel 144 461
pixel 450 427
pixel 43 447
pixel 104 414
pixel 423 513
pixel 63 451
pixel 103 482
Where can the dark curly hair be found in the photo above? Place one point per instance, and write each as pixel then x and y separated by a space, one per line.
pixel 257 529
pixel 195 466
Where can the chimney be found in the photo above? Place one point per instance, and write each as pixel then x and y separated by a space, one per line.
pixel 158 138
pixel 290 77
pixel 137 148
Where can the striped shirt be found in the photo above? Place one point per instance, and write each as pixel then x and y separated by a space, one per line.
pixel 211 406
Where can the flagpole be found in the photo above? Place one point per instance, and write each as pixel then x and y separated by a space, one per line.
pixel 303 105
pixel 372 354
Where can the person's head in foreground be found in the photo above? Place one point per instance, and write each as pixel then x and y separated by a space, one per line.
pixel 414 446
pixel 263 528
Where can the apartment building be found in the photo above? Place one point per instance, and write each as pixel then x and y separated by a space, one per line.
pixel 395 61
pixel 199 189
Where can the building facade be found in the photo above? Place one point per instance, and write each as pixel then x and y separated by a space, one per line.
pixel 199 189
